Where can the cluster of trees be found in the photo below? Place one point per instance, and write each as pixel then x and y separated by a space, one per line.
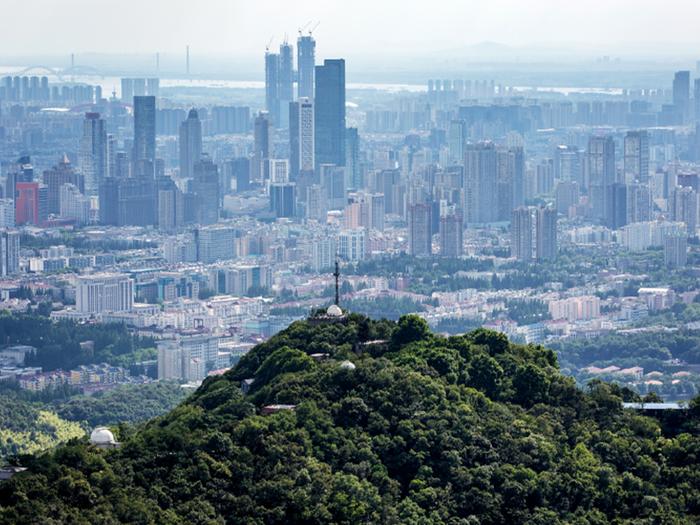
pixel 648 349
pixel 32 422
pixel 83 242
pixel 58 343
pixel 527 311
pixel 423 429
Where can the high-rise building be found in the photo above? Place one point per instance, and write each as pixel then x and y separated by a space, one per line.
pixel 190 144
pixel 301 137
pixel 9 252
pixel 205 188
pixel 262 134
pixel 93 153
pixel 681 95
pixel 616 216
pixel 145 131
pixel 187 357
pixel 352 159
pixel 636 156
pixel 7 213
pixel 456 139
pixel 73 204
pixel 127 94
pixel 696 98
pixel 419 229
pixel 101 293
pixel 451 233
pixel 333 186
pixel 286 82
pixel 546 246
pixel 352 244
pixel 62 173
pixel 480 198
pixel 684 207
pixel 676 251
pixel 638 203
pixel 510 177
pixel 306 62
pixel 272 87
pixel 521 226
pixel 329 105
pixel 31 203
pixel 215 243
pixel 568 164
pixel 601 174
pixel 283 199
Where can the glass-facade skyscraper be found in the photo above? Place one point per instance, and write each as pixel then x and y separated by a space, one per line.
pixel 330 113
pixel 144 129
pixel 306 62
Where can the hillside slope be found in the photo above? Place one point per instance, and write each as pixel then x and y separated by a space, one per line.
pixel 415 429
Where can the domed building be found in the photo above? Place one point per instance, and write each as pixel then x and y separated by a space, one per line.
pixel 333 314
pixel 102 437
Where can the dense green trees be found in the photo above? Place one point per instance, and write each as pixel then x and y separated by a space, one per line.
pixel 425 429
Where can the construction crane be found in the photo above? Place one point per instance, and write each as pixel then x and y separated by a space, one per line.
pixel 301 29
pixel 269 43
pixel 311 31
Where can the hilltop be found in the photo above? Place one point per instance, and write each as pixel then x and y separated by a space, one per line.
pixel 351 420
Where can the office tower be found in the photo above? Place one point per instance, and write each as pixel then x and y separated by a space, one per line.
pixel 215 243
pixel 31 203
pixel 352 244
pixel 283 199
pixel 127 94
pixel 277 170
pixel 306 62
pixel 456 138
pixel 286 82
pixel 101 293
pixel 616 216
pixel 636 156
pixel 352 159
pixel 205 188
pixel 262 134
pixel 676 251
pixel 272 87
pixel 93 153
pixel 684 207
pixel 240 172
pixel 419 228
pixel 73 204
pixel 681 95
pixel 329 105
pixel 480 199
pixel 62 173
pixel 145 131
pixel 546 233
pixel 333 186
pixel 696 97
pixel 9 252
pixel 638 203
pixel 301 137
pixel 451 233
pixel 139 87
pixel 601 174
pixel 136 201
pixel 190 144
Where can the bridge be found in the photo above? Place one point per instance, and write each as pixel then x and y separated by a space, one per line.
pixel 60 74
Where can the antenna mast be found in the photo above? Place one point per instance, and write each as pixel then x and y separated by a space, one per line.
pixel 336 274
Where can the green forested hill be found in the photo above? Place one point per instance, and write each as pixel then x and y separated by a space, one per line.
pixel 424 430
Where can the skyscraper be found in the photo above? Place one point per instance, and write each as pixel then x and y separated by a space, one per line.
pixel 601 173
pixel 419 228
pixel 93 153
pixel 681 94
pixel 521 234
pixel 330 112
pixel 190 144
pixel 451 233
pixel 272 86
pixel 262 134
pixel 9 252
pixel 480 183
pixel 205 187
pixel 546 246
pixel 62 173
pixel 286 82
pixel 352 159
pixel 636 156
pixel 144 130
pixel 301 137
pixel 306 62
pixel 283 199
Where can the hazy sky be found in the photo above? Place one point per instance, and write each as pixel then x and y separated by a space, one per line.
pixel 348 27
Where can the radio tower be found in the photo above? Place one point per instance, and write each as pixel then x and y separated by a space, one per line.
pixel 336 274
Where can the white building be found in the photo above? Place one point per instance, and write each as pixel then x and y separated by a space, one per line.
pixel 104 293
pixel 73 204
pixel 187 357
pixel 352 244
pixel 7 213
